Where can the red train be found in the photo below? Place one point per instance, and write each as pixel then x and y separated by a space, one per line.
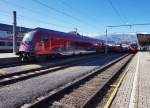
pixel 133 48
pixel 49 43
pixel 41 43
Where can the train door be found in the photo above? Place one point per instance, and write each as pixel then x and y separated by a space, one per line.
pixel 50 44
pixel 41 44
pixel 45 44
pixel 66 45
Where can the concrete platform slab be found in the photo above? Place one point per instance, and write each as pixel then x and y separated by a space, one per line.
pixel 6 58
pixel 7 55
pixel 134 91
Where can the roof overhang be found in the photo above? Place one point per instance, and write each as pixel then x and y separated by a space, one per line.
pixel 143 39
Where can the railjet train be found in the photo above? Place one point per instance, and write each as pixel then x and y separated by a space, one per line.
pixel 49 43
pixel 45 43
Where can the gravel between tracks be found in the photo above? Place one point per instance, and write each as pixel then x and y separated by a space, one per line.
pixel 76 98
pixel 15 69
pixel 17 94
pixel 102 102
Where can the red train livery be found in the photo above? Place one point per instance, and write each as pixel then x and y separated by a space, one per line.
pixel 44 42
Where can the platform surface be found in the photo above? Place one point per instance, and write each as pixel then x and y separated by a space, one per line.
pixel 134 91
pixel 7 55
pixel 6 58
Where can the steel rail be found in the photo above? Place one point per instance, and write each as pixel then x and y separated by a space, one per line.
pixel 90 102
pixel 56 95
pixel 19 63
pixel 11 64
pixel 23 75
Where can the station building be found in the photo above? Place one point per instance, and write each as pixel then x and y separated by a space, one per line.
pixel 144 41
pixel 6 30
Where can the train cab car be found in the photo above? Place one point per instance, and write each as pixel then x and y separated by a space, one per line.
pixel 118 49
pixel 121 48
pixel 133 48
pixel 44 42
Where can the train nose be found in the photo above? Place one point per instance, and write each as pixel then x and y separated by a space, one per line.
pixel 24 52
pixel 24 48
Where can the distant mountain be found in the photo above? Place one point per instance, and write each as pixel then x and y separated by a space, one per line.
pixel 117 38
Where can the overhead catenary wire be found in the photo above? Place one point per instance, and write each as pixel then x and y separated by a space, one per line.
pixel 116 11
pixel 39 12
pixel 130 25
pixel 33 19
pixel 28 9
pixel 29 18
pixel 64 3
pixel 69 6
pixel 62 12
pixel 36 12
pixel 56 10
pixel 124 15
pixel 72 8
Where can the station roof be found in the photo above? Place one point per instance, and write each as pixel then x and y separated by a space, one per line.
pixel 6 27
pixel 143 39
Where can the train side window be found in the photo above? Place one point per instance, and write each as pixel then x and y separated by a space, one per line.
pixel 9 44
pixel 18 43
pixel 45 39
pixel 2 43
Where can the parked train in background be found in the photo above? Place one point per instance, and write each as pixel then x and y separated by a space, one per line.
pixel 133 48
pixel 6 37
pixel 6 44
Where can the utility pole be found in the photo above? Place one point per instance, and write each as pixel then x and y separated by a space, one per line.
pixel 14 32
pixel 106 48
pixel 76 30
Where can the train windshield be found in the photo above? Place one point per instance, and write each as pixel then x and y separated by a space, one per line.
pixel 28 37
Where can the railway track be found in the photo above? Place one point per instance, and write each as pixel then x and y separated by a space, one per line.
pixel 82 92
pixel 23 75
pixel 12 64
pixel 19 63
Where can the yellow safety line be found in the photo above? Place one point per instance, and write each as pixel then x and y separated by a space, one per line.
pixel 112 96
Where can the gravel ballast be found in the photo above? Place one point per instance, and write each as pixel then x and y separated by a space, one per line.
pixel 17 94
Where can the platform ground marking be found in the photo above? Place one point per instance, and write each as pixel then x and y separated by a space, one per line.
pixel 135 83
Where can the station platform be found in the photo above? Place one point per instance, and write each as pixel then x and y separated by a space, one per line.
pixel 7 58
pixel 134 91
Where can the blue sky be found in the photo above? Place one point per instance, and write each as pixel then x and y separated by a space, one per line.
pixel 89 16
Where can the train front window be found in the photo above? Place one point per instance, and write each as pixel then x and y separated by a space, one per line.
pixel 28 38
